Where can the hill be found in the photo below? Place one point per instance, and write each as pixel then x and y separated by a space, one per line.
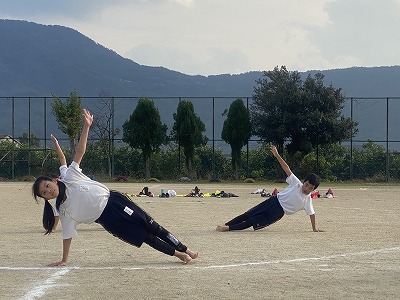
pixel 44 60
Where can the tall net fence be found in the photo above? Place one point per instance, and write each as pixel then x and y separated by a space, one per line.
pixel 27 122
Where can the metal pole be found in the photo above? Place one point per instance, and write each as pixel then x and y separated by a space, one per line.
pixel 29 135
pixel 387 139
pixel 179 145
pixel 318 147
pixel 13 139
pixel 45 122
pixel 213 138
pixel 45 126
pixel 112 138
pixel 351 139
pixel 247 145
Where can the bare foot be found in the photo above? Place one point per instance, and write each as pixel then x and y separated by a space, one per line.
pixel 185 258
pixel 222 228
pixel 192 254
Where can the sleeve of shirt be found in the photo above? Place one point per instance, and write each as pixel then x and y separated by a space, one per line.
pixel 63 171
pixel 77 172
pixel 309 208
pixel 56 214
pixel 292 179
pixel 68 225
pixel 76 166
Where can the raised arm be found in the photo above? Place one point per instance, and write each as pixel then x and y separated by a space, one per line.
pixel 81 148
pixel 283 164
pixel 60 154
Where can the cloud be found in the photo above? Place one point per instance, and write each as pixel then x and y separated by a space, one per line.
pixel 187 3
pixel 70 8
pixel 205 37
pixel 230 36
pixel 360 33
pixel 211 61
pixel 73 8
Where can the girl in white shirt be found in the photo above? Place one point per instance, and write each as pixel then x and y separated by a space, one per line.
pixel 82 200
pixel 296 197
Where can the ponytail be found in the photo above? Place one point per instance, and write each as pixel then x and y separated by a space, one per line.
pixel 61 194
pixel 48 213
pixel 48 217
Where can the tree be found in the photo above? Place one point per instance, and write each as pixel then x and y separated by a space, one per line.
pixel 187 131
pixel 32 140
pixel 103 127
pixel 145 131
pixel 324 121
pixel 302 115
pixel 206 155
pixel 68 116
pixel 236 132
pixel 369 161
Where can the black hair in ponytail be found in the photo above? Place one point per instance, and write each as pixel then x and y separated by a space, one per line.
pixel 36 184
pixel 48 217
pixel 48 213
pixel 61 194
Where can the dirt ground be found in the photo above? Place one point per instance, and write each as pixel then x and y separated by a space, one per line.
pixel 357 257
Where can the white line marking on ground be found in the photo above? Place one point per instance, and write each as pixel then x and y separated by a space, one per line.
pixel 306 259
pixel 40 290
pixel 245 264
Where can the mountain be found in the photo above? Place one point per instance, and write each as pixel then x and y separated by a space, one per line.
pixel 44 60
pixel 363 81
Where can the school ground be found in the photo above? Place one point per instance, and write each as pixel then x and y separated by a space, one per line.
pixel 357 257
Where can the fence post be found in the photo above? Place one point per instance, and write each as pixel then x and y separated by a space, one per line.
pixel 213 139
pixel 29 136
pixel 351 139
pixel 45 121
pixel 112 138
pixel 13 139
pixel 247 146
pixel 179 149
pixel 387 140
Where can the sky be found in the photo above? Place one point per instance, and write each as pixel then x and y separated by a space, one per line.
pixel 208 37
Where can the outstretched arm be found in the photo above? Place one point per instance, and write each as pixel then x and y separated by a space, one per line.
pixel 283 164
pixel 60 153
pixel 81 148
pixel 64 260
pixel 314 227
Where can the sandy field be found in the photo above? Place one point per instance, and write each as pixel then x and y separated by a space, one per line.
pixel 357 257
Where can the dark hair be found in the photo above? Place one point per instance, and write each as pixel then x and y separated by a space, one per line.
pixel 61 194
pixel 36 184
pixel 48 213
pixel 48 217
pixel 312 179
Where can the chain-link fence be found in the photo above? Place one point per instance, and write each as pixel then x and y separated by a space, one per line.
pixel 26 124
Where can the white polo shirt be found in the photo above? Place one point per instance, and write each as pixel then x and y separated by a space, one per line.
pixel 292 198
pixel 86 199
